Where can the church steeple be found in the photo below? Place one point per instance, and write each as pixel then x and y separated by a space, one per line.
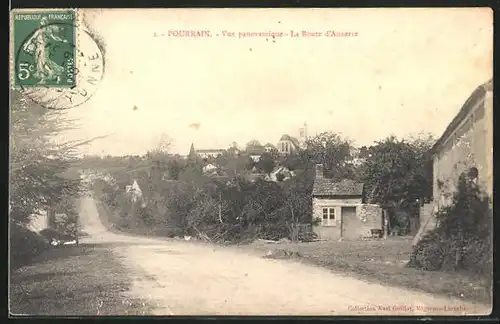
pixel 192 157
pixel 194 160
pixel 192 154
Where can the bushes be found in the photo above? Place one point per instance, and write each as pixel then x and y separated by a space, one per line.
pixel 230 210
pixel 462 239
pixel 24 245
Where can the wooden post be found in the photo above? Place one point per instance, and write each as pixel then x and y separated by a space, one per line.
pixel 386 223
pixel 50 217
pixel 220 208
pixel 77 229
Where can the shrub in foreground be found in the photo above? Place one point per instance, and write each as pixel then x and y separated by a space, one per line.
pixel 462 238
pixel 24 245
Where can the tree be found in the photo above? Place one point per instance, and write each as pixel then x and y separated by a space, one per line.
pixel 222 160
pixel 298 199
pixel 333 152
pixel 293 162
pixel 266 163
pixel 364 153
pixel 237 165
pixel 194 162
pixel 396 174
pixel 39 165
pixel 175 167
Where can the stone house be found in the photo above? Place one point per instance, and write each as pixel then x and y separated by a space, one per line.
pixel 466 143
pixel 288 145
pixel 465 146
pixel 210 153
pixel 209 168
pixel 340 207
pixel 268 148
pixel 255 157
pixel 280 173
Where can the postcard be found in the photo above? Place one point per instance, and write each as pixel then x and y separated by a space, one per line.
pixel 213 162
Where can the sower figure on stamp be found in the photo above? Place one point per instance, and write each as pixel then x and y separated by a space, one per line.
pixel 39 45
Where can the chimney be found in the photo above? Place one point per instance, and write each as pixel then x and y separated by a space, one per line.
pixel 319 170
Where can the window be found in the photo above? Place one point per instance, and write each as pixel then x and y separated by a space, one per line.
pixel 329 216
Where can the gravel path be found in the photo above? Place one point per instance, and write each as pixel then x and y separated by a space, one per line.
pixel 182 278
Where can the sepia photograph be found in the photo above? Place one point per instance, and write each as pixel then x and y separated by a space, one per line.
pixel 249 162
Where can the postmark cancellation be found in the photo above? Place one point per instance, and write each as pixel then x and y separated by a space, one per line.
pixel 53 59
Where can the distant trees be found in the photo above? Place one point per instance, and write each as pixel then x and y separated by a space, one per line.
pixel 237 165
pixel 175 167
pixel 395 173
pixel 266 163
pixel 229 208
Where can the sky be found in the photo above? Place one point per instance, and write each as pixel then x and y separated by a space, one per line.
pixel 407 71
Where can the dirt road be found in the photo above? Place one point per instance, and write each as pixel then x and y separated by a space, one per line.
pixel 182 278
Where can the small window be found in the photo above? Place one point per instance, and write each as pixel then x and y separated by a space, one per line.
pixel 329 216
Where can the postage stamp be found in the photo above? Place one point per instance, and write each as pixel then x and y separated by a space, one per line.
pixel 55 60
pixel 44 48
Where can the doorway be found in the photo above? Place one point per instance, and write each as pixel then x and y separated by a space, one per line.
pixel 348 214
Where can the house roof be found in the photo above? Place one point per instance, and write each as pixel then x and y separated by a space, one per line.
pixel 464 111
pixel 143 185
pixel 285 137
pixel 329 187
pixel 256 150
pixel 289 138
pixel 210 151
pixel 279 169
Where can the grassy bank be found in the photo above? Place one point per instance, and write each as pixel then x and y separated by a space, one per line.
pixel 110 219
pixel 384 261
pixel 71 281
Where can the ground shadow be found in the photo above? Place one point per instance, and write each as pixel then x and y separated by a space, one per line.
pixel 52 254
pixel 39 277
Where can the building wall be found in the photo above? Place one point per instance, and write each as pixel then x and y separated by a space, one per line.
pixel 370 217
pixel 286 147
pixel 209 154
pixel 427 221
pixel 469 145
pixel 367 217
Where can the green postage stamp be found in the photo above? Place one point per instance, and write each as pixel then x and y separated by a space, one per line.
pixel 44 48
